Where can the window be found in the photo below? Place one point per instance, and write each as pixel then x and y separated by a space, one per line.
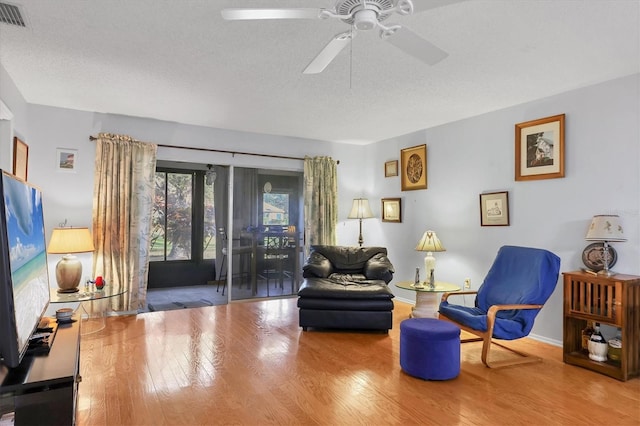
pixel 172 220
pixel 275 209
pixel 184 203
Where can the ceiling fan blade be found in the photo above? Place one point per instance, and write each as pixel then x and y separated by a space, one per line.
pixel 248 14
pixel 329 52
pixel 422 5
pixel 411 43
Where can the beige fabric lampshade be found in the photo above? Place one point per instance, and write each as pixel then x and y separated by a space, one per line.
pixel 605 228
pixel 430 242
pixel 360 209
pixel 70 240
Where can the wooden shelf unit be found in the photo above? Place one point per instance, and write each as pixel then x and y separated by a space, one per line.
pixel 614 301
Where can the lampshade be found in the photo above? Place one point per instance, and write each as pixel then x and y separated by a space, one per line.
pixel 605 228
pixel 69 269
pixel 430 242
pixel 70 240
pixel 360 209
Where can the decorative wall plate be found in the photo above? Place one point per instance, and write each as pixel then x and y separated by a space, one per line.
pixel 592 256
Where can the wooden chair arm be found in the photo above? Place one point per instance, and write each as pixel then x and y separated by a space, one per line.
pixel 495 308
pixel 445 296
pixel 493 311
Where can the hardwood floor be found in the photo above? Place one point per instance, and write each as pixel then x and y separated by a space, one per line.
pixel 250 363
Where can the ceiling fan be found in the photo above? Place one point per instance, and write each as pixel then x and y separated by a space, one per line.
pixel 361 15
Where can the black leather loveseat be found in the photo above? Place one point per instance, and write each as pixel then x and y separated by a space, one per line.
pixel 346 287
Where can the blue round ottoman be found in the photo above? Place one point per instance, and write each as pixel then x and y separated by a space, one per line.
pixel 430 348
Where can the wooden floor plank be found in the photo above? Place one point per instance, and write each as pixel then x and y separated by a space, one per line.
pixel 250 363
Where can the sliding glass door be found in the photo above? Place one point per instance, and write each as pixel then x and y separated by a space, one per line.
pixel 256 253
pixel 267 221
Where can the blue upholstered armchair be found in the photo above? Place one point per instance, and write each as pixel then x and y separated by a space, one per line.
pixel 516 287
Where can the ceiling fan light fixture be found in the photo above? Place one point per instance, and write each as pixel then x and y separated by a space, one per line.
pixel 366 19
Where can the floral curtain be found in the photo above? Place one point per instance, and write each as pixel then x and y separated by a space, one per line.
pixel 122 205
pixel 320 201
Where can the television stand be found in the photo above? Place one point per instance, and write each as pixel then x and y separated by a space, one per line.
pixel 43 388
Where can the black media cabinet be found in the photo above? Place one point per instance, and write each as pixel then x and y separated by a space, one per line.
pixel 43 389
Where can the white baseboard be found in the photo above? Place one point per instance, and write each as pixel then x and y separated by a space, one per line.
pixel 543 339
pixel 402 299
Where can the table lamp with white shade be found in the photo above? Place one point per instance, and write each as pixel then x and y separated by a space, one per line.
pixel 68 241
pixel 605 228
pixel 430 243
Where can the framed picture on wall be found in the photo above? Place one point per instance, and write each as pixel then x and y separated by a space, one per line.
pixel 494 209
pixel 20 159
pixel 391 210
pixel 66 160
pixel 540 148
pixel 413 168
pixel 391 168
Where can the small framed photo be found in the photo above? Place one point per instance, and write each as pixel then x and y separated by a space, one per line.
pixel 494 209
pixel 391 210
pixel 413 163
pixel 66 160
pixel 20 159
pixel 391 168
pixel 540 149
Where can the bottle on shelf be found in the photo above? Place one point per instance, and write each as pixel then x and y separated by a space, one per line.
pixel 598 346
pixel 615 347
pixel 586 335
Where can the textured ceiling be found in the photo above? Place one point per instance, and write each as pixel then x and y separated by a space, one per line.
pixel 177 60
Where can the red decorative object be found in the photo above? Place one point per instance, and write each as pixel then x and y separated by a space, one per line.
pixel 99 283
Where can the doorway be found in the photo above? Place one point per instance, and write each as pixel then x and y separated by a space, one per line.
pixel 183 243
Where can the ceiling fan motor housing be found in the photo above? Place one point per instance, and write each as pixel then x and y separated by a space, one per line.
pixel 365 20
pixel 364 15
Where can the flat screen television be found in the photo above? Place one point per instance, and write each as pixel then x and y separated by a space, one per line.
pixel 24 276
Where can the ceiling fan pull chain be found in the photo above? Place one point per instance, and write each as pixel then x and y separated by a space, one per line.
pixel 351 60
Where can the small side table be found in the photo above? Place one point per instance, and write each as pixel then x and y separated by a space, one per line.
pixel 427 300
pixel 95 317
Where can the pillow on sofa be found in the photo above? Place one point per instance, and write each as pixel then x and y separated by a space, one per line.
pixel 379 267
pixel 339 277
pixel 317 266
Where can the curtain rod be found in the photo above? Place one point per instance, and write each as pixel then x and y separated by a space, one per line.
pixel 93 138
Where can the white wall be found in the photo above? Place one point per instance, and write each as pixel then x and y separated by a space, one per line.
pixel 15 103
pixel 476 155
